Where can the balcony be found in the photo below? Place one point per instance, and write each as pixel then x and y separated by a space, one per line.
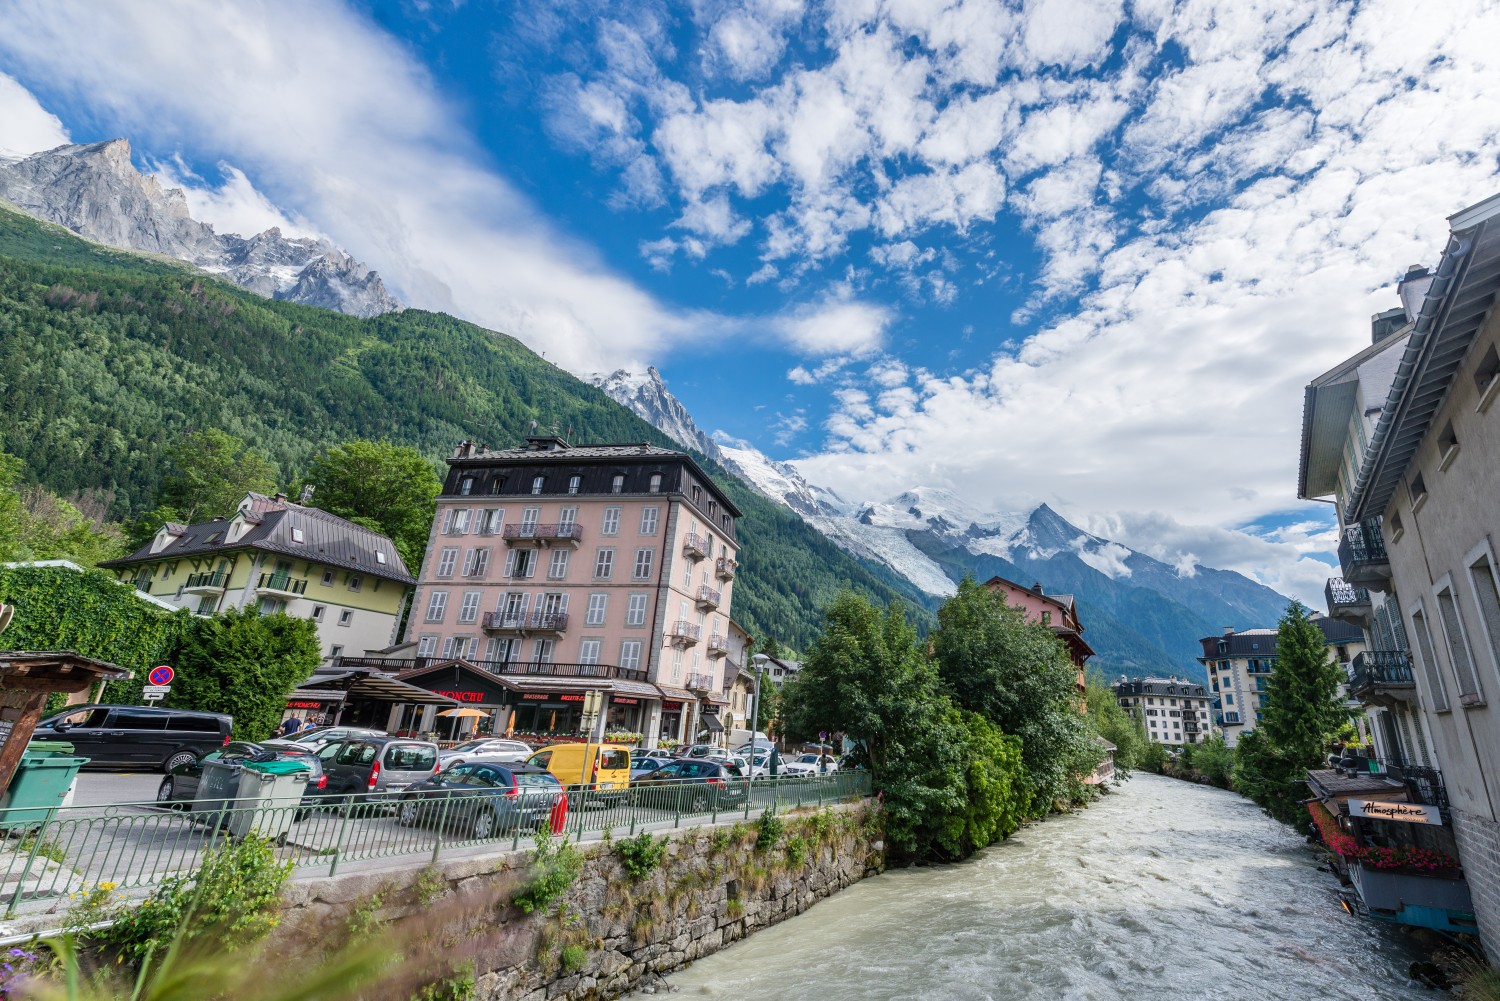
pixel 1362 556
pixel 201 582
pixel 724 568
pixel 694 546
pixel 533 624
pixel 684 633
pixel 1382 674
pixel 1347 603
pixel 1261 669
pixel 700 682
pixel 708 599
pixel 1423 785
pixel 280 583
pixel 718 645
pixel 542 536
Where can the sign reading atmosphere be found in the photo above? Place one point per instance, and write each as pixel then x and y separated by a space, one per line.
pixel 1411 813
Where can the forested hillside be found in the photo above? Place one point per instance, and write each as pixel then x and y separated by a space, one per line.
pixel 107 357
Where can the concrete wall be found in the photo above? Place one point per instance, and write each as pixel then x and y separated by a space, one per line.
pixel 714 888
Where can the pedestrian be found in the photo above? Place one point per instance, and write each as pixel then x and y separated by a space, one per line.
pixel 290 726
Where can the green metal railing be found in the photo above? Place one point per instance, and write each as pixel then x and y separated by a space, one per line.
pixel 46 853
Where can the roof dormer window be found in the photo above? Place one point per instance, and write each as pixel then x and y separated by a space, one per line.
pixel 379 557
pixel 298 537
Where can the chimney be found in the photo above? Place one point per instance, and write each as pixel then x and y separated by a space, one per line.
pixel 1229 630
pixel 1038 589
pixel 280 498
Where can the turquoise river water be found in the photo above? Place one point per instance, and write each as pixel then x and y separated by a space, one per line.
pixel 1161 890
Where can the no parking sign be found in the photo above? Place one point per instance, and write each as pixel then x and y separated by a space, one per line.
pixel 161 675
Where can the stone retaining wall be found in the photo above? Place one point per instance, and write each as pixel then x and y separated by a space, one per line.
pixel 609 932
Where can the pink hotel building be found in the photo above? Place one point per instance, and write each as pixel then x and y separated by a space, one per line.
pixel 553 570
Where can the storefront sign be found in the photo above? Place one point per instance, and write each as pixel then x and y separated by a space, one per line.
pixel 709 709
pixel 620 700
pixel 571 698
pixel 535 697
pixel 671 707
pixel 303 704
pixel 463 696
pixel 322 694
pixel 1409 813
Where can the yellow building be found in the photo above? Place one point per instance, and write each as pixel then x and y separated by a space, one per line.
pixel 279 556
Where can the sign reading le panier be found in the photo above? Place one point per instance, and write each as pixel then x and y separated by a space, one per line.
pixel 1410 813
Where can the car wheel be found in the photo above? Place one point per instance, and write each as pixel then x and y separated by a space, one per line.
pixel 700 802
pixel 453 764
pixel 179 760
pixel 484 825
pixel 408 815
pixel 165 790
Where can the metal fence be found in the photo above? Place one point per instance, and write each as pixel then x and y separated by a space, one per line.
pixel 50 854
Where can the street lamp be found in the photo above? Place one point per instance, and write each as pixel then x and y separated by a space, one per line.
pixel 759 660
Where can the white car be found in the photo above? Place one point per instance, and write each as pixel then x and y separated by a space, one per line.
pixel 494 749
pixel 315 738
pixel 808 764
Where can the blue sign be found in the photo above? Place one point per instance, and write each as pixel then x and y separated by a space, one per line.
pixel 161 675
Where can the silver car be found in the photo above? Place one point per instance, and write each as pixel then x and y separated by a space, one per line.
pixel 316 738
pixel 493 749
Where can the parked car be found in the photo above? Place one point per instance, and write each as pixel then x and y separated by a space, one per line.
pixel 757 746
pixel 484 749
pixel 114 736
pixel 181 784
pixel 598 768
pixel 693 784
pixel 760 764
pixel 649 762
pixel 317 737
pixel 811 764
pixel 366 765
pixel 486 800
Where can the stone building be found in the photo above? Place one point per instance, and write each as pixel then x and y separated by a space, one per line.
pixel 1175 711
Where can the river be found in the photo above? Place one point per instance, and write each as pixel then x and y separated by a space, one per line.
pixel 1159 891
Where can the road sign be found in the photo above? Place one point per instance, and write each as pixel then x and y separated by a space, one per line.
pixel 161 675
pixel 154 693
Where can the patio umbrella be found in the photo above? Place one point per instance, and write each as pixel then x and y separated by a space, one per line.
pixel 463 711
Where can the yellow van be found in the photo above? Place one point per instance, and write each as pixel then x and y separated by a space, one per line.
pixel 600 768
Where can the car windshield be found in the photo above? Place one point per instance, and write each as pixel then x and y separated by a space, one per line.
pixel 535 779
pixel 469 745
pixel 410 758
pixel 306 736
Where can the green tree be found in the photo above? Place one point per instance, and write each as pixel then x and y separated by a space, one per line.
pixel 1214 760
pixel 36 524
pixel 244 664
pixel 768 705
pixel 1115 724
pixel 209 472
pixel 1300 712
pixel 389 488
pixel 1018 675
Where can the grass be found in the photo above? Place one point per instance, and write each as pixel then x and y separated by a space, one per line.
pixel 46 849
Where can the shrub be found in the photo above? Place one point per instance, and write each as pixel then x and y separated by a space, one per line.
pixel 554 867
pixel 641 855
pixel 768 831
pixel 573 957
pixel 797 851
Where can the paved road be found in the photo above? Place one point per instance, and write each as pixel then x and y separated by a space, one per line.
pixel 99 788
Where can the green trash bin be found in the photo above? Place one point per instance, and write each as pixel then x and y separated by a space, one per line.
pixel 39 786
pixel 270 793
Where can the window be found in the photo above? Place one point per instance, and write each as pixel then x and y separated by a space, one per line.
pixel 317 612
pixel 1228 699
pixel 567 518
pixel 1469 692
pixel 649 517
pixel 529 517
pixel 635 610
pixel 476 562
pixel 1429 662
pixel 380 556
pixel 468 609
pixel 456 521
pixel 448 642
pixel 355 582
pixel 497 484
pixel 426 645
pixel 298 537
pixel 437 603
pixel 270 606
pixel 677 664
pixel 327 578
pixel 1487 597
pixel 447 561
pixel 697 494
pixel 644 560
pixel 541 651
pixel 598 604
pixel 604 564
pixel 573 483
pixel 346 617
pixel 520 563
pixel 1046 618
pixel 1447 444
pixel 538 483
pixel 630 655
pixel 1418 489
pixel 617 484
pixel 490 520
pixel 1485 377
pixel 336 650
pixel 588 652
pixel 611 521
pixel 655 486
pixel 207 604
pixel 466 485
pixel 557 567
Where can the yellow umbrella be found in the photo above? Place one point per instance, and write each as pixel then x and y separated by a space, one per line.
pixel 463 711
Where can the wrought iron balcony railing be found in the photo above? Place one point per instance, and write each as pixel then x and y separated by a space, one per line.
pixel 217 581
pixel 1344 599
pixel 1362 554
pixel 694 546
pixel 725 568
pixel 282 583
pixel 531 534
pixel 1375 670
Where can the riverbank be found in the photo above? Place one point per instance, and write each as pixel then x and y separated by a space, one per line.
pixel 1163 887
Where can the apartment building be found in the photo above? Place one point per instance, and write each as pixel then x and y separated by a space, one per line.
pixel 1411 460
pixel 279 556
pixel 1175 711
pixel 1240 664
pixel 559 569
pixel 1059 612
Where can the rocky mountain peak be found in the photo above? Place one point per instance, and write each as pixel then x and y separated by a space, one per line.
pixel 95 190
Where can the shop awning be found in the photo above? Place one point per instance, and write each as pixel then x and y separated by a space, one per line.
pixel 376 687
pixel 677 694
pixel 711 723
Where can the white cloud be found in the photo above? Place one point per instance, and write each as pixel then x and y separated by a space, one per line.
pixel 343 127
pixel 234 206
pixel 1070 32
pixel 25 126
pixel 836 326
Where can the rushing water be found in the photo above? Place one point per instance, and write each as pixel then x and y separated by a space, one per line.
pixel 1161 890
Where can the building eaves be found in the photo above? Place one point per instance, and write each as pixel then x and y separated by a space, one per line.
pixel 1452 314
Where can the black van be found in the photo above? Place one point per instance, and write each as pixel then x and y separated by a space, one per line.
pixel 114 736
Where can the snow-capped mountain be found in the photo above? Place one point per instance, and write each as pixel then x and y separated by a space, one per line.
pixel 94 190
pixel 1141 614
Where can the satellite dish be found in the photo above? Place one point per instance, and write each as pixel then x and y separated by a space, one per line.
pixel 7 612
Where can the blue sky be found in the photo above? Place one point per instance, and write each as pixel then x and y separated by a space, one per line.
pixel 1080 251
